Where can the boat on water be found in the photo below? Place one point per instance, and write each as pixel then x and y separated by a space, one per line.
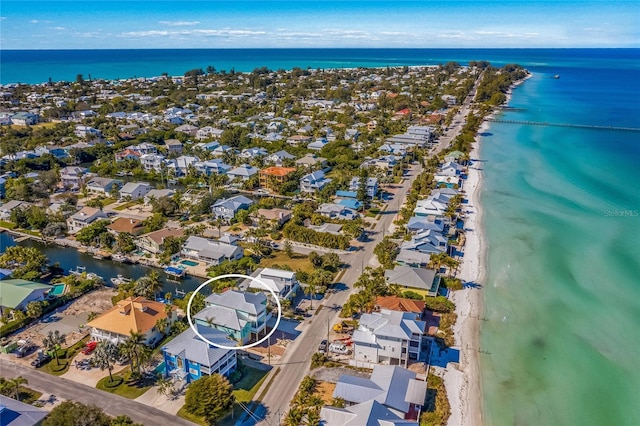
pixel 120 280
pixel 557 76
pixel 119 257
pixel 82 270
pixel 174 272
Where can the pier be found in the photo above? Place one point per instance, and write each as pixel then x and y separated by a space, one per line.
pixel 571 125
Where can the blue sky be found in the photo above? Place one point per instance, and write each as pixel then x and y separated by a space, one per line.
pixel 220 24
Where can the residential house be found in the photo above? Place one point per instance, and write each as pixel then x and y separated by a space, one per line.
pixel 370 413
pixel 279 157
pixel 174 147
pixel 83 218
pixel 133 314
pixel 72 177
pixel 331 228
pixel 337 211
pixel 187 357
pixel 428 241
pixel 3 183
pixel 395 387
pixel 385 163
pixel 152 162
pixel 212 167
pixel 425 280
pixel 187 129
pixel 155 194
pixel 102 186
pixel 281 282
pixel 388 337
pixel 8 207
pixel 209 132
pixel 180 166
pixel 228 207
pixel 57 152
pixel 450 169
pixel 243 172
pixel 273 177
pixel 423 223
pixel 453 156
pixel 430 207
pixel 413 258
pixel 17 413
pixel 134 190
pixel 371 186
pixel 87 132
pixel 153 242
pixel 124 224
pixel 241 315
pixel 25 119
pixel 318 144
pixel 17 294
pixel 207 146
pixel 145 148
pixel 297 140
pixel 313 182
pixel 280 216
pixel 252 153
pixel 221 150
pixel 400 304
pixel 312 161
pixel 210 251
pixel 127 154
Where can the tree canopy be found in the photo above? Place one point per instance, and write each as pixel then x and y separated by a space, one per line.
pixel 209 397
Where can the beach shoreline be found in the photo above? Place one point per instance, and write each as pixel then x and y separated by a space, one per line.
pixel 463 381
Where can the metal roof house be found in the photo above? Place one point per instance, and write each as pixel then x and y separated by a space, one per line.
pixel 187 357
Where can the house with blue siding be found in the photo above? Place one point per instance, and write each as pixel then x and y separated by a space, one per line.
pixel 188 357
pixel 239 315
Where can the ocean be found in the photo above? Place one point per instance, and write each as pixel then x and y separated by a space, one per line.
pixel 560 342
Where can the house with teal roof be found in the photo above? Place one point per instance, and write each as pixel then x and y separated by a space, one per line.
pixel 17 294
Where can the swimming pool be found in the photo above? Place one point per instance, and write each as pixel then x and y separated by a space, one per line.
pixel 58 290
pixel 189 263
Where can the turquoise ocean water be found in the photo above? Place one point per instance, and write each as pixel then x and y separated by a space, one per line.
pixel 562 294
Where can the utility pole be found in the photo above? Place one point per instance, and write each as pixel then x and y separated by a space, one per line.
pixel 326 347
pixel 269 348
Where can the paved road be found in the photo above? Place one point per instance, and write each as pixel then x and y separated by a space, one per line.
pixel 112 404
pixel 295 364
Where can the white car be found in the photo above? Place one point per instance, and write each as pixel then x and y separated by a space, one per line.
pixel 339 348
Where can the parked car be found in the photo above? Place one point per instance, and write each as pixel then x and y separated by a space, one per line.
pixel 42 359
pixel 25 350
pixel 91 346
pixel 323 346
pixel 339 348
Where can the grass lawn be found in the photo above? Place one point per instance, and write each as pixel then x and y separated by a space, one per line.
pixel 123 385
pixel 7 225
pixel 244 391
pixel 28 396
pixel 65 356
pixel 107 201
pixel 299 261
pixel 191 417
pixel 125 206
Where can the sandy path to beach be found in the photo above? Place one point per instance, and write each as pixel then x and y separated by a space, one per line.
pixel 462 380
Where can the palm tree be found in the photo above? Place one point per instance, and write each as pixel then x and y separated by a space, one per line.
pixel 53 341
pixel 106 354
pixel 310 290
pixel 132 348
pixel 16 382
pixel 395 290
pixel 162 324
pixel 165 386
pixel 150 284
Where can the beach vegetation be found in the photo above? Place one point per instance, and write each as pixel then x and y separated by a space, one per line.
pixel 439 304
pixel 209 397
pixel 437 408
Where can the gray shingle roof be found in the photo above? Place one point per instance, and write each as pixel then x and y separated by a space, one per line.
pixel 188 345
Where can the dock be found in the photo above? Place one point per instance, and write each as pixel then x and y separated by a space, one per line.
pixel 571 125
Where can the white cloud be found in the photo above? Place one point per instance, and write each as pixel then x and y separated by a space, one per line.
pixel 58 28
pixel 179 23
pixel 207 33
pixel 36 21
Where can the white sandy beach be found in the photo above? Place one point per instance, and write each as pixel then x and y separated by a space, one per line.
pixel 462 380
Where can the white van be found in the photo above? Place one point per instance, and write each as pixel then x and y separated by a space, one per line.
pixel 339 348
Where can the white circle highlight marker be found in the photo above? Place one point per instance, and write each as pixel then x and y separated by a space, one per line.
pixel 217 345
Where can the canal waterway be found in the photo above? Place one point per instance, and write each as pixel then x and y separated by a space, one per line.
pixel 69 259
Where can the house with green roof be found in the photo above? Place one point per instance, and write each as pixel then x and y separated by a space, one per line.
pixel 16 294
